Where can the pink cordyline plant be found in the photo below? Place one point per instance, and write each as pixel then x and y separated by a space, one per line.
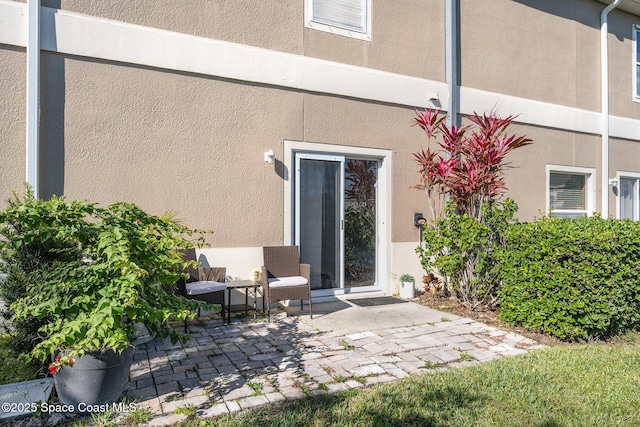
pixel 470 164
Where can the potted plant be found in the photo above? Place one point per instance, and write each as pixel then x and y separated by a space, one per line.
pixel 106 274
pixel 407 285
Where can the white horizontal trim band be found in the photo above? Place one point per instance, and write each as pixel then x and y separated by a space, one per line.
pixel 82 35
pixel 545 114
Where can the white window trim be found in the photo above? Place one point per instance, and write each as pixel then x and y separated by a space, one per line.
pixel 310 23
pixel 636 63
pixel 591 187
pixel 619 175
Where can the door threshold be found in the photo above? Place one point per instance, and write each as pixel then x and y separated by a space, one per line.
pixel 346 297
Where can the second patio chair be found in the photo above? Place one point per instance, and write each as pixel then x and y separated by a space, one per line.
pixel 284 278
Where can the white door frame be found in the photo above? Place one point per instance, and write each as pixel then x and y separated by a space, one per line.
pixel 384 157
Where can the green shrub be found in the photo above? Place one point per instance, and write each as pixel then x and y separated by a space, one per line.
pixel 575 279
pixel 21 264
pixel 104 272
pixel 463 248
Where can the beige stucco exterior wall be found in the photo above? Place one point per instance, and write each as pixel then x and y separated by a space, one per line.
pixel 194 144
pixel 493 33
pixel 273 25
pixel 526 180
pixel 621 69
pixel 333 120
pixel 169 141
pixel 407 36
pixel 557 44
pixel 624 156
pixel 12 121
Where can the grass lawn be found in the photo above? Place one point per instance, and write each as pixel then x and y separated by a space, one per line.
pixel 585 385
pixel 13 370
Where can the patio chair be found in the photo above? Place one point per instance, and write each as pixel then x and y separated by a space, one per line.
pixel 204 283
pixel 284 278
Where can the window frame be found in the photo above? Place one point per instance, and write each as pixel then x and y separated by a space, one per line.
pixel 635 63
pixel 590 192
pixel 628 175
pixel 335 29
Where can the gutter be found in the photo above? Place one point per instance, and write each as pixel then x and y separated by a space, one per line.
pixel 33 96
pixel 452 68
pixel 604 85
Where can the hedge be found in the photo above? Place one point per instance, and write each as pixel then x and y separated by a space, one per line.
pixel 574 279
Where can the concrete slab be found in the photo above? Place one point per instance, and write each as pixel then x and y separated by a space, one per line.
pixel 344 318
pixel 22 398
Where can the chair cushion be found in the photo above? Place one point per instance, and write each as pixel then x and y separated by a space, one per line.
pixel 283 282
pixel 201 287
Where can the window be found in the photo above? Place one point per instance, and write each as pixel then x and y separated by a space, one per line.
pixel 351 18
pixel 628 192
pixel 570 191
pixel 636 62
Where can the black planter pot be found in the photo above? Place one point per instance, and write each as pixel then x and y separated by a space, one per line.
pixel 96 378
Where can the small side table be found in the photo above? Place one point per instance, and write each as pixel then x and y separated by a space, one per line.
pixel 246 285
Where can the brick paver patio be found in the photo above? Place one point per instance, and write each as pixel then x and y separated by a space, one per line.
pixel 246 364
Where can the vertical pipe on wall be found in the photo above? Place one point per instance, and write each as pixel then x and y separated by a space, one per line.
pixel 452 67
pixel 33 96
pixel 604 86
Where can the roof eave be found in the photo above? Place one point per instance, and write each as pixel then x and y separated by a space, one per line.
pixel 630 6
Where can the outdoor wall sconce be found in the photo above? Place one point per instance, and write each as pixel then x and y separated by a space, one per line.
pixel 270 157
pixel 613 182
pixel 419 221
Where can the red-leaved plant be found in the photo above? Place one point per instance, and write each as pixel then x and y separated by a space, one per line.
pixel 470 165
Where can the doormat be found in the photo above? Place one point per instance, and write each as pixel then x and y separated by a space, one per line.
pixel 374 302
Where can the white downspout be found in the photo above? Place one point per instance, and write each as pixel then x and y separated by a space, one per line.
pixel 33 96
pixel 604 75
pixel 451 61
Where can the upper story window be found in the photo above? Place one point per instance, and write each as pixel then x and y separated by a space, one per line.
pixel 570 191
pixel 636 62
pixel 351 18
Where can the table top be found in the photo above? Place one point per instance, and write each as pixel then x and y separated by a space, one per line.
pixel 239 284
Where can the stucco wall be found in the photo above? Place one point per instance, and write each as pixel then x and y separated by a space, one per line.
pixel 624 156
pixel 407 35
pixel 557 46
pixel 526 180
pixel 407 38
pixel 621 71
pixel 12 121
pixel 273 25
pixel 495 32
pixel 170 141
pixel 333 120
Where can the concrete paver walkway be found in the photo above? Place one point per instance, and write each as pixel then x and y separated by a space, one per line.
pixel 246 364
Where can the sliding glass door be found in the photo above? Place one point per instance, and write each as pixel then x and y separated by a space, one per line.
pixel 335 219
